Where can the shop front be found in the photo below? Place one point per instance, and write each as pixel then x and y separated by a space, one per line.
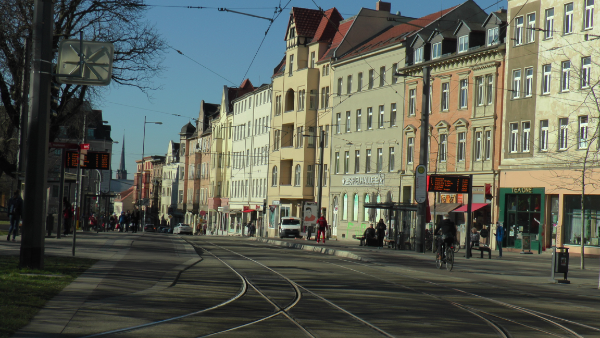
pixel 522 213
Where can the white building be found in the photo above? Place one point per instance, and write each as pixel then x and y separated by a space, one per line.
pixel 172 186
pixel 250 157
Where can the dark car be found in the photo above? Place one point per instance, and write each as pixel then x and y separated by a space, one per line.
pixel 149 228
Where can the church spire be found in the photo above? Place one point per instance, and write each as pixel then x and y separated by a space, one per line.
pixel 122 172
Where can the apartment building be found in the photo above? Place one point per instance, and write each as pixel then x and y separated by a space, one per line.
pixel 208 112
pixel 551 137
pixel 172 186
pixel 250 157
pixel 188 139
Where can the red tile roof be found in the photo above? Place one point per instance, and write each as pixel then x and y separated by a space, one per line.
pixel 328 26
pixel 280 67
pixel 307 21
pixel 337 39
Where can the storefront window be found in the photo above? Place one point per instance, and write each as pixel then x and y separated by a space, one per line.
pixel 572 234
pixel 523 217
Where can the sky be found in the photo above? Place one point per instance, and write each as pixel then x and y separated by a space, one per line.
pixel 218 48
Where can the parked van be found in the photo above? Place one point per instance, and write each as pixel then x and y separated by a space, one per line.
pixel 290 226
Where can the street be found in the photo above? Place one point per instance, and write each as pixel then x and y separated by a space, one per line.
pixel 156 285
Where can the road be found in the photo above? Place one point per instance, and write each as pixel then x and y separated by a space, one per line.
pixel 236 287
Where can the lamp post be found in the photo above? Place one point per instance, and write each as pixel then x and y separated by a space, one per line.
pixel 142 174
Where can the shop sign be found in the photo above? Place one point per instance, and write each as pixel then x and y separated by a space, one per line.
pixel 522 190
pixel 451 198
pixel 363 180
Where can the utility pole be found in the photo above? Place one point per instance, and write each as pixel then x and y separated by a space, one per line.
pixel 32 240
pixel 423 159
pixel 320 188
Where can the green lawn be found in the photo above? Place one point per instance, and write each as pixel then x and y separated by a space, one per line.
pixel 24 295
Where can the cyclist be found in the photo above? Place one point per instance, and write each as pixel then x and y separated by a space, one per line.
pixel 448 234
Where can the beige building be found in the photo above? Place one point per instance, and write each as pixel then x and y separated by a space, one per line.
pixel 551 136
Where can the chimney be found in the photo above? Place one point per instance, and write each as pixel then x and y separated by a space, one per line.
pixel 383 6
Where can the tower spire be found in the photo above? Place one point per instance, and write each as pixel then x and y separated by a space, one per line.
pixel 122 172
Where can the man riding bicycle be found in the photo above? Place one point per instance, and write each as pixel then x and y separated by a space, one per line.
pixel 448 234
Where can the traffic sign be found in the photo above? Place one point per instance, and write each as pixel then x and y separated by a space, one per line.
pixel 421 184
pixel 84 146
pixel 96 69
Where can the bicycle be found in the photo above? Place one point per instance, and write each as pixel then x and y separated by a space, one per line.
pixel 448 258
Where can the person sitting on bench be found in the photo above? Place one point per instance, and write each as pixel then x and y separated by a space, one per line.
pixel 474 237
pixel 369 236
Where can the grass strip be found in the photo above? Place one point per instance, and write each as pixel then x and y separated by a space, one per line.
pixel 26 291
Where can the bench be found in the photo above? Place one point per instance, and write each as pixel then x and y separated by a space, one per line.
pixel 361 239
pixel 483 248
pixel 390 243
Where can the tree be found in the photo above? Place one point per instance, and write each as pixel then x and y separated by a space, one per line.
pixel 137 59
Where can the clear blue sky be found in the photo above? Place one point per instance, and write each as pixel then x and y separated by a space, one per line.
pixel 225 43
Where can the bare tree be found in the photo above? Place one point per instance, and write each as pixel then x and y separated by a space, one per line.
pixel 137 59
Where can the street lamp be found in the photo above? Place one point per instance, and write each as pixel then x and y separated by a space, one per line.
pixel 142 173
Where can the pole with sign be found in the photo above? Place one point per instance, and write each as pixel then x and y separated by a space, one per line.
pixel 421 184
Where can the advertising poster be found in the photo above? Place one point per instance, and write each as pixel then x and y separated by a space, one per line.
pixel 310 214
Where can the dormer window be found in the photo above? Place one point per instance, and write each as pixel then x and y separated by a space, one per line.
pixel 419 55
pixel 493 36
pixel 463 43
pixel 292 33
pixel 436 50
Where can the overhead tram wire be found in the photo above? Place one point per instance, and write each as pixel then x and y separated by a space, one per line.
pixel 210 70
pixel 153 110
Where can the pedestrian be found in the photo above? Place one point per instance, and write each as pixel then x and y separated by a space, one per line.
pixel 93 222
pixel 122 221
pixel 127 220
pixel 474 237
pixel 67 216
pixel 15 211
pixel 369 236
pixel 381 227
pixel 135 220
pixel 321 228
pixel 49 224
pixel 499 237
pixel 204 229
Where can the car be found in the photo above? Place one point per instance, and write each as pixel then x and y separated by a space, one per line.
pixel 149 228
pixel 290 226
pixel 161 230
pixel 182 228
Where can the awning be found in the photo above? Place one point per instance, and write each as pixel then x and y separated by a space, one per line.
pixel 474 207
pixel 249 210
pixel 444 208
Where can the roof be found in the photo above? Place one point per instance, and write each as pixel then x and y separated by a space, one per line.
pixel 337 39
pixel 499 15
pixel 188 129
pixel 472 26
pixel 444 34
pixel 307 21
pixel 280 68
pixel 328 26
pixel 125 194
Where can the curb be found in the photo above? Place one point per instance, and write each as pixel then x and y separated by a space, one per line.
pixel 312 248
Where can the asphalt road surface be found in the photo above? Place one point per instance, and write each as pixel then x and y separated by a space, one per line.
pixel 235 287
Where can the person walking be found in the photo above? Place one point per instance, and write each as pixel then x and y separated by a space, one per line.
pixel 381 227
pixel 499 237
pixel 67 216
pixel 321 228
pixel 127 220
pixel 15 211
pixel 122 221
pixel 49 224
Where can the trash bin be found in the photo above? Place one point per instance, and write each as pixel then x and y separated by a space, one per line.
pixel 561 263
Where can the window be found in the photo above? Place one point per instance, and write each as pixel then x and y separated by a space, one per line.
pixel 543 135
pixel 393 115
pixel 566 74
pixel 348 122
pixel 410 149
pixel 445 96
pixel 514 137
pixel 337 162
pixel 586 64
pixel 381 116
pixel 325 174
pixel 479 82
pixel 358 119
pixel 299 137
pixel 371 78
pixel 298 175
pixel 311 137
pixel 412 102
pixel 547 70
pixel 490 88
pixel 549 26
pixel 531 27
pixel 356 161
pixel 382 76
pixel 379 160
pixel 519 31
pixel 488 144
pixel 310 176
pixel 274 177
pixel 312 59
pixel 436 50
pixel 369 118
pixel 327 97
pixel 516 90
pixel 368 162
pixel 367 210
pixel 564 133
pixel 290 69
pixel 418 55
pixel 462 146
pixel 339 86
pixel 394 71
pixel 463 43
pixel 493 36
pixel 443 149
pixel 313 100
pixel 326 136
pixel 464 93
pixel 355 209
pixel 349 84
pixel 338 128
pixel 583 132
pixel 588 19
pixel 528 81
pixel 359 82
pixel 429 99
pixel 525 128
pixel 568 21
pixel 277 140
pixel 301 99
pixel 478 144
pixel 345 207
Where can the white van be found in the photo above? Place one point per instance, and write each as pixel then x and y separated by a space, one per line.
pixel 290 226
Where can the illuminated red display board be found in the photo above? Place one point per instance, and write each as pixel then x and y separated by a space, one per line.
pixel 93 160
pixel 445 183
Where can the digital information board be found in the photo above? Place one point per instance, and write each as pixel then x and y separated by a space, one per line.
pixel 93 160
pixel 444 183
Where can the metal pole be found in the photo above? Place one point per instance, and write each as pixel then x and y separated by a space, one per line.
pixel 423 160
pixel 21 164
pixel 32 240
pixel 469 218
pixel 78 189
pixel 61 193
pixel 320 188
pixel 141 178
